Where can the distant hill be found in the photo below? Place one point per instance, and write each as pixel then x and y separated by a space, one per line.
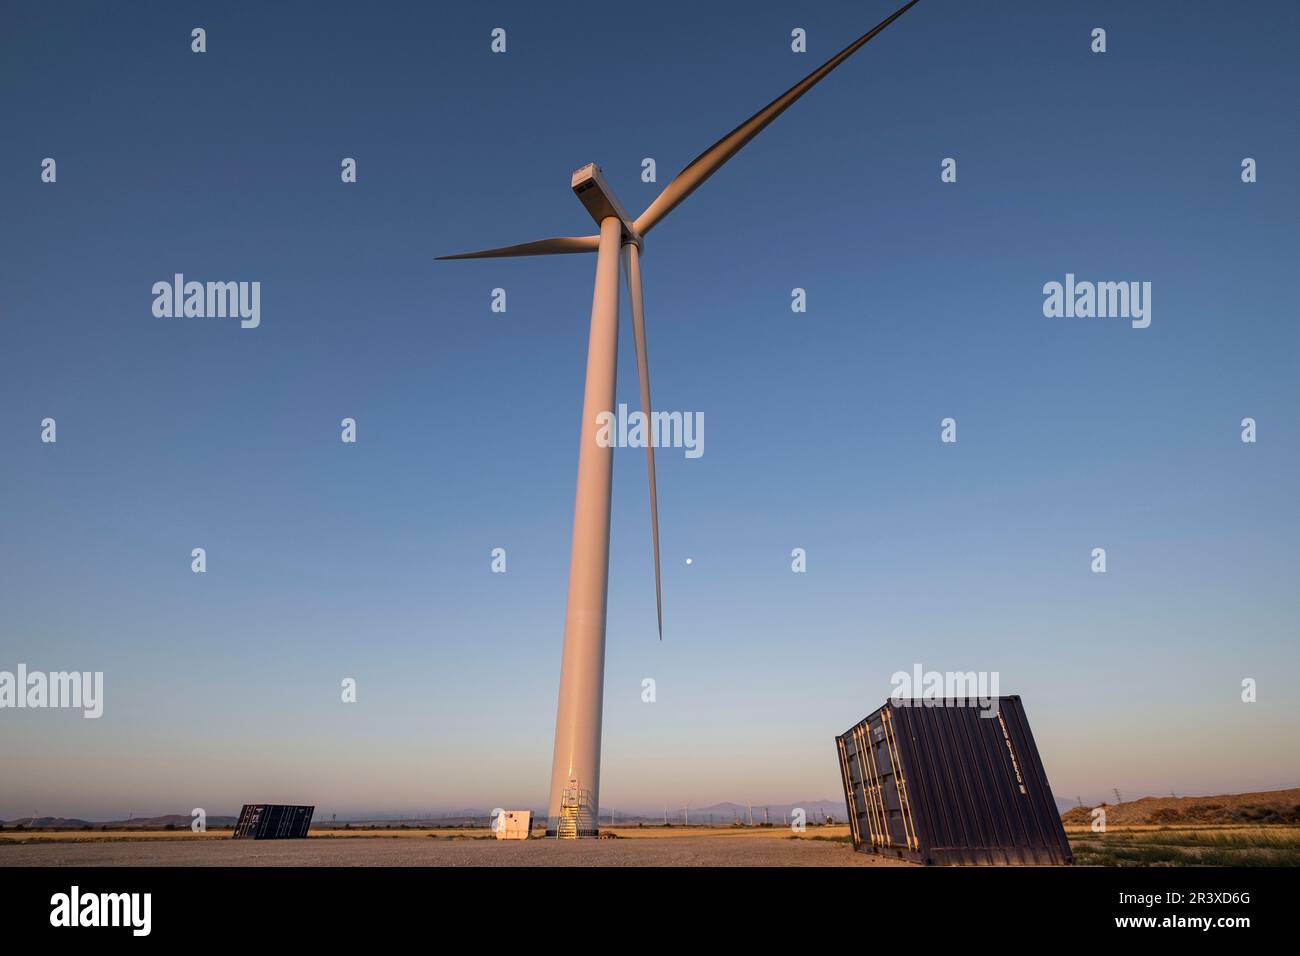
pixel 1270 806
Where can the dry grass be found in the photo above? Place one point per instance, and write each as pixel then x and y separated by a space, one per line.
pixel 1146 845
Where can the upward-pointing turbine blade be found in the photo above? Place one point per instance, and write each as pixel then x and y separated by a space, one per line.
pixel 709 161
pixel 561 245
pixel 632 266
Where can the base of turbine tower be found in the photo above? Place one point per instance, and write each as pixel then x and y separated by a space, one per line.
pixel 577 819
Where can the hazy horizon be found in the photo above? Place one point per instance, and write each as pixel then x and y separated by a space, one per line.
pixel 925 300
pixel 698 814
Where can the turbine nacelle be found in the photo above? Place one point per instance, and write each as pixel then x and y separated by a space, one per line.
pixel 589 185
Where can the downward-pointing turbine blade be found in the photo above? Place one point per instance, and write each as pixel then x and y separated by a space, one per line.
pixel 632 266
pixel 561 245
pixel 709 161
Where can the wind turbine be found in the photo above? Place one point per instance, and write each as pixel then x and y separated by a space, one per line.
pixel 576 764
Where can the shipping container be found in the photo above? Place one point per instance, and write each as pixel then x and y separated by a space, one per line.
pixel 272 821
pixel 950 782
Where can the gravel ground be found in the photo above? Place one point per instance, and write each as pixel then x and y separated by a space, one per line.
pixel 389 851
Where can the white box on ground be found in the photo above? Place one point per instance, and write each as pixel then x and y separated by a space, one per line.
pixel 514 824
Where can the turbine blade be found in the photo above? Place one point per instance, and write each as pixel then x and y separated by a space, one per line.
pixel 561 245
pixel 632 267
pixel 709 161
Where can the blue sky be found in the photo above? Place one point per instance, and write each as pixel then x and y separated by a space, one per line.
pixel 371 560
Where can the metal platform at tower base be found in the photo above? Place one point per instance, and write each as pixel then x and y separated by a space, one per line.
pixel 577 819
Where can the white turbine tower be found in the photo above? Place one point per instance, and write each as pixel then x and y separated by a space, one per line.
pixel 576 765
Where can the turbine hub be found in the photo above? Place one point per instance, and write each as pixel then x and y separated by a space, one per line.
pixel 589 185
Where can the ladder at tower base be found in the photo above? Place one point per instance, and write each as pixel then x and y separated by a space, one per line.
pixel 576 817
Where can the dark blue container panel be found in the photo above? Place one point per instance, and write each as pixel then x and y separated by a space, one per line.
pixel 947 782
pixel 273 821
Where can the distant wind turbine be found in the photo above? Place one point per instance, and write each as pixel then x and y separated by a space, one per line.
pixel 582 666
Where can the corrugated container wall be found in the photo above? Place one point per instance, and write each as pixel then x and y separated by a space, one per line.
pixel 937 781
pixel 273 821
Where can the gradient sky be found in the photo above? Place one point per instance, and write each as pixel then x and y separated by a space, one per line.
pixel 371 560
